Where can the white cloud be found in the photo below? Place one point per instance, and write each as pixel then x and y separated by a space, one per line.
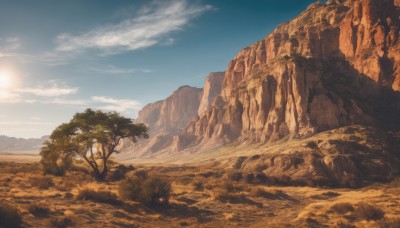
pixel 53 91
pixel 8 97
pixel 58 101
pixel 152 26
pixel 110 69
pixel 21 123
pixel 119 105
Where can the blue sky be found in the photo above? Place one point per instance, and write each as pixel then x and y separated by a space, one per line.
pixel 60 57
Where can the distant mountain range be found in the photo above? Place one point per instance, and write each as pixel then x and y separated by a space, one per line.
pixel 12 145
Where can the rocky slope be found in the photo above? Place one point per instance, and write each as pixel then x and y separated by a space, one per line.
pixel 167 118
pixel 19 145
pixel 336 64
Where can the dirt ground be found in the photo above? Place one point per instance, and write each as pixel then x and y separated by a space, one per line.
pixel 207 204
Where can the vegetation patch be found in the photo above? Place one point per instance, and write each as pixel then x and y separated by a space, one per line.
pixel 147 189
pixel 98 196
pixel 9 216
pixel 369 212
pixel 39 211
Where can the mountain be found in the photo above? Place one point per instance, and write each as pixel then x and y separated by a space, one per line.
pixel 20 146
pixel 316 100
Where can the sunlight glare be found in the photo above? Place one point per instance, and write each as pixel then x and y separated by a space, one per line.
pixel 6 79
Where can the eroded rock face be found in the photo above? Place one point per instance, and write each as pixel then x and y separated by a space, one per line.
pixel 324 69
pixel 173 113
pixel 212 89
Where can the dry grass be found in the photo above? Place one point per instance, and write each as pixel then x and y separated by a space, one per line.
pixel 42 182
pixel 62 222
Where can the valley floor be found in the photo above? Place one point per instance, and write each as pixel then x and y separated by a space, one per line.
pixel 200 198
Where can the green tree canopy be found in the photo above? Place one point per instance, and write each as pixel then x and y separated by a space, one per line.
pixel 92 136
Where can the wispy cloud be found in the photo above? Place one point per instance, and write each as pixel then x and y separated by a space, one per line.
pixel 152 25
pixel 119 105
pixel 75 102
pixel 53 91
pixel 11 123
pixel 110 69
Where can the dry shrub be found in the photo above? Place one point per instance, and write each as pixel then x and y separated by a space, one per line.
pixel 389 223
pixel 67 184
pixel 9 216
pixel 62 222
pixel 198 184
pixel 369 212
pixel 38 211
pixel 395 182
pixel 119 172
pixel 229 197
pixel 147 189
pixel 344 225
pixel 98 196
pixel 342 208
pixel 42 182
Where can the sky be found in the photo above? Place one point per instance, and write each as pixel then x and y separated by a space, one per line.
pixel 61 57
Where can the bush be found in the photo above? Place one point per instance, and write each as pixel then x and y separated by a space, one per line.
pixel 198 184
pixel 39 211
pixel 342 208
pixel 98 196
pixel 41 182
pixel 9 216
pixel 395 182
pixel 369 212
pixel 53 161
pixel 389 223
pixel 147 189
pixel 228 197
pixel 61 222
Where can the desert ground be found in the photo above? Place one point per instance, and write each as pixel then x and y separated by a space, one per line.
pixel 202 196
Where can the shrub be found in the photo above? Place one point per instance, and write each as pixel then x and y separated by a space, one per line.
pixel 369 212
pixel 342 208
pixel 198 184
pixel 61 222
pixel 9 216
pixel 228 197
pixel 389 223
pixel 98 196
pixel 147 189
pixel 395 182
pixel 39 211
pixel 41 182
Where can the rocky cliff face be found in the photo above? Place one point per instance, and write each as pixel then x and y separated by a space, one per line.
pixel 335 65
pixel 167 118
pixel 324 69
pixel 173 113
pixel 212 89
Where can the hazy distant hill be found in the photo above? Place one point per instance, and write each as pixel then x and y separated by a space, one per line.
pixel 20 145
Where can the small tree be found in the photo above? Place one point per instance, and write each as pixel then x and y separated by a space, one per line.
pixel 92 136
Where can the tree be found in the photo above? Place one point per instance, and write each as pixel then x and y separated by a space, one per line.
pixel 92 136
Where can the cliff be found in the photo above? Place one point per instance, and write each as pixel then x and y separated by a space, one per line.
pixel 331 66
pixel 317 99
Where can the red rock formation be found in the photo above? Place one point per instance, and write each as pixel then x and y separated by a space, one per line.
pixel 304 77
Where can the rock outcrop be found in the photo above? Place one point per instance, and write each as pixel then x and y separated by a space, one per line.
pixel 212 89
pixel 167 118
pixel 311 75
pixel 173 113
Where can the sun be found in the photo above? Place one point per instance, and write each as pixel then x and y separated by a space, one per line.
pixel 6 79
